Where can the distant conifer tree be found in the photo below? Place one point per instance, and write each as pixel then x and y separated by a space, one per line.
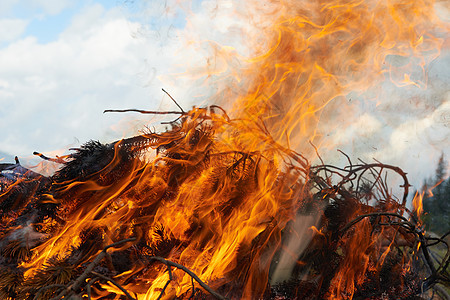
pixel 437 203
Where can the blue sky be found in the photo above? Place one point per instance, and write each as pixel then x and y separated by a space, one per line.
pixel 65 61
pixel 62 62
pixel 47 26
pixel 59 57
pixel 47 21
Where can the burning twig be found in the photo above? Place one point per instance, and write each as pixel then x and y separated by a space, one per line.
pixel 44 288
pixel 58 159
pixel 170 264
pixel 100 276
pixel 352 172
pixel 89 288
pixel 81 280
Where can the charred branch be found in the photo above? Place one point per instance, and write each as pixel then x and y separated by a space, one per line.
pixel 151 112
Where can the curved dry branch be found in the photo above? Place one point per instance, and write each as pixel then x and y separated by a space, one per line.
pixel 169 264
pixel 113 282
pixel 176 103
pixel 81 280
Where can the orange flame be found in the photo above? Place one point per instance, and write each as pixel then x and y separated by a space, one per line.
pixel 417 204
pixel 230 226
pixel 321 51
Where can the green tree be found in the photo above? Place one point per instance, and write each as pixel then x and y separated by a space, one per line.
pixel 437 205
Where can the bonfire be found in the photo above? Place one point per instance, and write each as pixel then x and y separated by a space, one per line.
pixel 193 212
pixel 226 202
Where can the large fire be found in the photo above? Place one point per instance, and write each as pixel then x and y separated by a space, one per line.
pixel 226 205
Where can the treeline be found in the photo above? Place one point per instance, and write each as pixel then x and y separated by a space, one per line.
pixel 436 200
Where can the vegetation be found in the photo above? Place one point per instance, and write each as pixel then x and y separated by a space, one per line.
pixel 436 200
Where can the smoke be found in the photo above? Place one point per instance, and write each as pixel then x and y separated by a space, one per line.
pixel 368 78
pixel 301 234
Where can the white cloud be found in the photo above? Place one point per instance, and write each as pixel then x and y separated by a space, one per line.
pixel 6 6
pixel 48 7
pixel 54 92
pixel 11 29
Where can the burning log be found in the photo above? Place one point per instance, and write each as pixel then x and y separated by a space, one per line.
pixel 212 214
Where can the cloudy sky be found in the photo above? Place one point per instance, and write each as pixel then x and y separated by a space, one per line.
pixel 62 62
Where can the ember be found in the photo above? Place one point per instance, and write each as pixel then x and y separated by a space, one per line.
pixel 210 216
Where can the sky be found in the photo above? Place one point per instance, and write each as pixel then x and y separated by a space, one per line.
pixel 62 62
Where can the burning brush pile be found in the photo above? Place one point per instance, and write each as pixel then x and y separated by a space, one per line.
pixel 213 207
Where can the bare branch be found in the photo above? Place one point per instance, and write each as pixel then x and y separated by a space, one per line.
pixel 113 282
pixel 152 112
pixel 169 264
pixel 173 100
pixel 82 278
